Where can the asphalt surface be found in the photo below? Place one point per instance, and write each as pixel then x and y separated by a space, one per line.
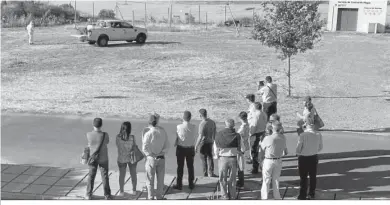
pixel 349 162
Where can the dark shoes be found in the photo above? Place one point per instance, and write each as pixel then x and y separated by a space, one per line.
pixel 109 197
pixel 212 175
pixel 254 171
pixel 249 162
pixel 177 187
pixel 191 186
pixel 311 197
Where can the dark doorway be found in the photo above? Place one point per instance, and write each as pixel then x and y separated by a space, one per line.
pixel 347 19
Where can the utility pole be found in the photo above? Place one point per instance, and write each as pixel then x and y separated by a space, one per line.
pixel 225 13
pixel 253 17
pixel 93 11
pixel 75 13
pixel 199 13
pixel 206 20
pixel 170 17
pixel 189 17
pixel 133 18
pixel 145 15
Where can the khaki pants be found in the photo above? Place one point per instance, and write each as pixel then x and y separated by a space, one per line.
pixel 271 174
pixel 155 167
pixel 227 176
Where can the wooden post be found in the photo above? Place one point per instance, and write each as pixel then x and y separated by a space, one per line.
pixel 253 17
pixel 145 15
pixel 75 13
pixel 93 11
pixel 189 17
pixel 170 17
pixel 225 14
pixel 133 18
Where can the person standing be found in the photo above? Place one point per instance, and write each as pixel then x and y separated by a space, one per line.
pixel 185 150
pixel 97 139
pixel 244 138
pixel 274 147
pixel 125 143
pixel 308 113
pixel 257 125
pixel 155 145
pixel 226 147
pixel 30 31
pixel 269 97
pixel 250 98
pixel 204 143
pixel 309 145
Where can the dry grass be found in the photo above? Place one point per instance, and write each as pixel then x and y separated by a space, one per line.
pixel 188 71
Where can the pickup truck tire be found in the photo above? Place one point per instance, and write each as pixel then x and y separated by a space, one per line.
pixel 129 41
pixel 91 42
pixel 141 38
pixel 102 41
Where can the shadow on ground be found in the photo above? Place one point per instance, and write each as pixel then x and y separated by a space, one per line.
pixel 351 175
pixel 146 43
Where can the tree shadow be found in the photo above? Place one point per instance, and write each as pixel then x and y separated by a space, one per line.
pixel 145 44
pixel 353 175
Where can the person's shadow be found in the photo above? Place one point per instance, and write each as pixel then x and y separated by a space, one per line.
pixel 365 172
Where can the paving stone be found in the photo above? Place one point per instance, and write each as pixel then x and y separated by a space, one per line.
pixel 292 193
pixel 8 177
pixel 248 195
pixel 70 198
pixel 77 173
pixel 326 195
pixel 68 181
pixel 44 180
pixel 201 192
pixel 36 189
pixel 36 171
pixel 77 192
pixel 17 196
pixel 26 179
pixel 114 183
pixel 206 181
pixel 3 184
pixel 14 187
pixel 4 166
pixel 127 196
pixel 58 191
pixel 15 169
pixel 56 172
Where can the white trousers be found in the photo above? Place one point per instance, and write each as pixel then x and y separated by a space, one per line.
pixel 271 174
pixel 30 37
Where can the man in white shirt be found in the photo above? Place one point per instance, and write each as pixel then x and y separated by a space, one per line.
pixel 269 96
pixel 30 32
pixel 309 145
pixel 274 148
pixel 257 125
pixel 244 134
pixel 185 150
pixel 155 145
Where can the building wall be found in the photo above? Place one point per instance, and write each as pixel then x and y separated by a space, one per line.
pixel 369 11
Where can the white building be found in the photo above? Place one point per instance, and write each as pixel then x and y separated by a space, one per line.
pixel 368 16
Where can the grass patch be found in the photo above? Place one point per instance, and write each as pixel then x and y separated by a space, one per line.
pixel 173 72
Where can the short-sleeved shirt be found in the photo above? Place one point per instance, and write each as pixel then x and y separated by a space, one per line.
pixel 274 145
pixel 94 139
pixel 244 134
pixel 186 134
pixel 124 147
pixel 207 128
pixel 269 96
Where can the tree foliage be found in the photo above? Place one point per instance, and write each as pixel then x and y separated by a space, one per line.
pixel 290 27
pixel 107 14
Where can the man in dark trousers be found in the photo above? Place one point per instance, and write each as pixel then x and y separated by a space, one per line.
pixel 309 145
pixel 185 150
pixel 204 143
pixel 95 138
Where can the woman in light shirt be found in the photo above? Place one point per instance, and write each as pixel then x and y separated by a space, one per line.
pixel 308 113
pixel 125 143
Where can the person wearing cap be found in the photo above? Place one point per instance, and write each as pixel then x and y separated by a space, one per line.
pixel 308 113
pixel 30 32
pixel 95 138
pixel 155 145
pixel 204 143
pixel 257 125
pixel 269 97
pixel 226 148
pixel 274 148
pixel 309 145
pixel 244 138
pixel 185 150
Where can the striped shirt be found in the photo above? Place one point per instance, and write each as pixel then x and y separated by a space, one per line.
pixel 309 143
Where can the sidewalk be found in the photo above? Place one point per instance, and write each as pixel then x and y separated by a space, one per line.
pixel 28 182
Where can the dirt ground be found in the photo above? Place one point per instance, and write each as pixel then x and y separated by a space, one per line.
pixel 347 74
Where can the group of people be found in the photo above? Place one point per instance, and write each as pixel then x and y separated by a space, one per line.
pixel 259 137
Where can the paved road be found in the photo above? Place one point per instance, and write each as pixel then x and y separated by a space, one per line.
pixel 350 162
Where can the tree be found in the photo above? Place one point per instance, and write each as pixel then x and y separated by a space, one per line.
pixel 107 13
pixel 289 27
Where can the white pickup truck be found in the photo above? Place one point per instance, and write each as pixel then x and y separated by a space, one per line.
pixel 113 30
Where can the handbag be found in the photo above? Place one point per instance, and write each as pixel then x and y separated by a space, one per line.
pixel 95 156
pixel 135 154
pixel 318 121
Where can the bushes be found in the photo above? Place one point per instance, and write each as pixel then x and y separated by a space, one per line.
pixel 19 14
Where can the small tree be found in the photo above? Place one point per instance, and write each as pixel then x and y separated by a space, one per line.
pixel 106 14
pixel 289 27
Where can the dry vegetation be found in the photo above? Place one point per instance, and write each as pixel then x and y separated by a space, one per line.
pixel 349 73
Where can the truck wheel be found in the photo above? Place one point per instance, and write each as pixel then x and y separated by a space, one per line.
pixel 129 41
pixel 102 41
pixel 141 38
pixel 91 42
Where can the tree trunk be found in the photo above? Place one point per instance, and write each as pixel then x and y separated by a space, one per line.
pixel 289 77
